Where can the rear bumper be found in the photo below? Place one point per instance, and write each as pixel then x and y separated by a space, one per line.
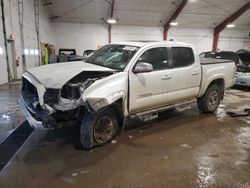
pixel 32 121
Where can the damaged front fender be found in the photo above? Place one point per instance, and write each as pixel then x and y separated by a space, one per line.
pixel 106 91
pixel 98 103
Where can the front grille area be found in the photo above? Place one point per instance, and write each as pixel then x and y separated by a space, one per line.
pixel 29 92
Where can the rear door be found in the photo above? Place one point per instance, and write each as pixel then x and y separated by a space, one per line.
pixel 185 75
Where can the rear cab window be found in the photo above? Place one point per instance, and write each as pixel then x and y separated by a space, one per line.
pixel 182 56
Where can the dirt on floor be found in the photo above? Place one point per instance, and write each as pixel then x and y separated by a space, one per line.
pixel 182 148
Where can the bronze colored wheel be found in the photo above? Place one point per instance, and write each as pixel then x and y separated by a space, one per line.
pixel 213 99
pixel 210 101
pixel 103 129
pixel 98 128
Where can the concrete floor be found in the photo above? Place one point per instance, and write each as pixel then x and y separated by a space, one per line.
pixel 10 115
pixel 180 149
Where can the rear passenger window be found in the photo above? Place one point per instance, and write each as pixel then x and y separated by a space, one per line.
pixel 157 57
pixel 182 56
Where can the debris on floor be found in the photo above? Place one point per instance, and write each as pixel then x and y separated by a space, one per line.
pixel 85 171
pixel 185 146
pixel 130 136
pixel 245 112
pixel 165 157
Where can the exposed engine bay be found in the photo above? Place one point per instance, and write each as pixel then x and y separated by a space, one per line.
pixel 69 97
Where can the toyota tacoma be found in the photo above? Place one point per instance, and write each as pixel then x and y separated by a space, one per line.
pixel 119 82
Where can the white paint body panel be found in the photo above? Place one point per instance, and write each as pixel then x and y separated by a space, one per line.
pixel 139 92
pixel 60 73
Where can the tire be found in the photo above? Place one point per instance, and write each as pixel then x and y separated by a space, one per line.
pixel 210 101
pixel 98 128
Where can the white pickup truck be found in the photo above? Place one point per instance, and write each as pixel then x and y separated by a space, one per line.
pixel 119 82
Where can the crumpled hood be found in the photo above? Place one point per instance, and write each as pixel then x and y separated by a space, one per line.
pixel 56 75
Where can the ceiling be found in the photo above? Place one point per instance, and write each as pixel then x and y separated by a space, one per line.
pixel 196 14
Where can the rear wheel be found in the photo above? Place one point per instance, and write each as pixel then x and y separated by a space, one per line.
pixel 98 128
pixel 210 101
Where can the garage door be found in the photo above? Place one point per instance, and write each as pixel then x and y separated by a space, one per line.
pixel 30 35
pixel 3 63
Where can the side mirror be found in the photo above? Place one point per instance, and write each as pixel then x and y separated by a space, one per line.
pixel 142 67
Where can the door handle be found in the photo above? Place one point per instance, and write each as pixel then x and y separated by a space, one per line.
pixel 195 73
pixel 166 77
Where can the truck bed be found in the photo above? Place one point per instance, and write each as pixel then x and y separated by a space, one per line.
pixel 217 68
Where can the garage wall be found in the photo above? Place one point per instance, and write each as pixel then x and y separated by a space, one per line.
pixel 89 36
pixel 3 64
pixel 234 40
pixel 80 36
pixel 130 33
pixel 30 36
pixel 230 39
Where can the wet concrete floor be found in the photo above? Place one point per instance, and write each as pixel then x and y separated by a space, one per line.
pixel 10 115
pixel 180 149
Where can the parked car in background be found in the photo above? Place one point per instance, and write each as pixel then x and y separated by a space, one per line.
pixel 68 55
pixel 243 68
pixel 228 55
pixel 122 81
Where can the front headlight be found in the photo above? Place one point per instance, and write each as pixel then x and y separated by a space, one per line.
pixel 71 91
pixel 51 96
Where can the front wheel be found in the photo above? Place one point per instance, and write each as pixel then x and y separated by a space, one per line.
pixel 98 128
pixel 210 101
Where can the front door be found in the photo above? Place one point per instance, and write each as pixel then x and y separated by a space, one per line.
pixel 147 89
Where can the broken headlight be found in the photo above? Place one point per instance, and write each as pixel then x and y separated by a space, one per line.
pixel 51 96
pixel 74 90
pixel 71 91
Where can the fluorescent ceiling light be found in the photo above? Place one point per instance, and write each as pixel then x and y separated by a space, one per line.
pixel 192 0
pixel 230 25
pixel 111 21
pixel 174 23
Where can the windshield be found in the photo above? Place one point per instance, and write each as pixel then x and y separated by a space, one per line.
pixel 113 56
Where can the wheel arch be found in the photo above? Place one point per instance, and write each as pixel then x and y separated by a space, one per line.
pixel 216 81
pixel 118 106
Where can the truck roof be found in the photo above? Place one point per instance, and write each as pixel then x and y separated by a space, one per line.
pixel 150 43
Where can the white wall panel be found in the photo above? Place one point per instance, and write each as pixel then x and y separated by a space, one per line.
pixel 3 64
pixel 47 34
pixel 88 36
pixel 80 36
pixel 30 36
pixel 133 33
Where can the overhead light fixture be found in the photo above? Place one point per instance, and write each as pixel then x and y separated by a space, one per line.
pixel 192 0
pixel 230 25
pixel 173 23
pixel 111 21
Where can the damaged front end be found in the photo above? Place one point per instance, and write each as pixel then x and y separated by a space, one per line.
pixel 54 108
pixel 243 69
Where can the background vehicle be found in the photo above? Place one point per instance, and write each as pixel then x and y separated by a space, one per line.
pixel 229 55
pixel 68 55
pixel 122 81
pixel 243 68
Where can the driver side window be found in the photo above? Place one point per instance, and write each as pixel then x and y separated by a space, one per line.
pixel 157 57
